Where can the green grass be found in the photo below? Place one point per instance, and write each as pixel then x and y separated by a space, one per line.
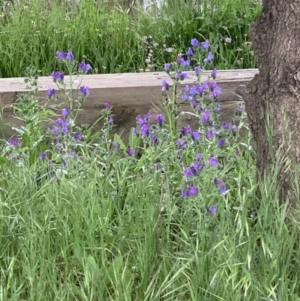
pixel 112 40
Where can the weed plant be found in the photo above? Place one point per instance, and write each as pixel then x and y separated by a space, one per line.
pixel 170 216
pixel 113 39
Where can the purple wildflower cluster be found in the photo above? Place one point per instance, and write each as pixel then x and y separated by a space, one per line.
pixel 148 131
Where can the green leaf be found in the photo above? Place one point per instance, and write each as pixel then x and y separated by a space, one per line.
pixel 118 139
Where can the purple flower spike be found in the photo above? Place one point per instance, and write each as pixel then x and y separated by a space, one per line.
pixel 190 52
pixel 205 116
pixel 212 209
pixel 85 90
pixel 221 185
pixel 60 55
pixel 181 75
pixel 57 76
pixel 84 67
pixel 130 151
pixel 160 119
pixel 165 86
pixel 196 135
pixel 43 155
pixel 65 112
pixel 209 58
pixel 197 70
pixel 213 161
pixel 193 191
pixel 78 136
pixel 214 73
pixel 54 129
pixel 167 67
pixel 221 142
pixel 194 42
pixel 107 106
pixel 184 193
pixel 199 156
pixel 70 56
pixel 50 92
pixel 205 45
pixel 14 142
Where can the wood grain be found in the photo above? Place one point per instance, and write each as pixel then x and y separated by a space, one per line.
pixel 130 94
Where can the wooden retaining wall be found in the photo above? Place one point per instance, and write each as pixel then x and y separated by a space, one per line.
pixel 130 94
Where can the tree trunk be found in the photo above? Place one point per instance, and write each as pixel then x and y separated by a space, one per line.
pixel 275 91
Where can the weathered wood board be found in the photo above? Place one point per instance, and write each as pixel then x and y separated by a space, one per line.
pixel 130 94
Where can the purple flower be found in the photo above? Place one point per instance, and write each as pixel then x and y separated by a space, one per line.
pixel 43 155
pixel 70 56
pixel 210 133
pixel 160 119
pixel 64 129
pixel 196 135
pixel 197 70
pixel 84 67
pixel 144 131
pixel 205 45
pixel 197 166
pixel 57 76
pixel 14 142
pixel 130 151
pixel 78 136
pixel 60 55
pixel 189 172
pixel 194 42
pixel 167 67
pixel 155 140
pixel 216 92
pixel 227 125
pixel 221 185
pixel 110 120
pixel 184 193
pixel 235 128
pixel 213 161
pixel 59 121
pixel 165 86
pixel 54 129
pixel 239 110
pixel 186 130
pixel 50 92
pixel 65 112
pixel 193 191
pixel 209 58
pixel 205 116
pixel 106 106
pixel 181 75
pixel 221 142
pixel 214 73
pixel 199 156
pixel 183 62
pixel 190 52
pixel 85 90
pixel 212 209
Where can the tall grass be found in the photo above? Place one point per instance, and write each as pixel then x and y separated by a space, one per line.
pixel 112 39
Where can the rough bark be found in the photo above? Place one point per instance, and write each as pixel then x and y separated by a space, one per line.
pixel 275 91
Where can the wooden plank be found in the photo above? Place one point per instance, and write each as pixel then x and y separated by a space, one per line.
pixel 130 95
pixel 116 89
